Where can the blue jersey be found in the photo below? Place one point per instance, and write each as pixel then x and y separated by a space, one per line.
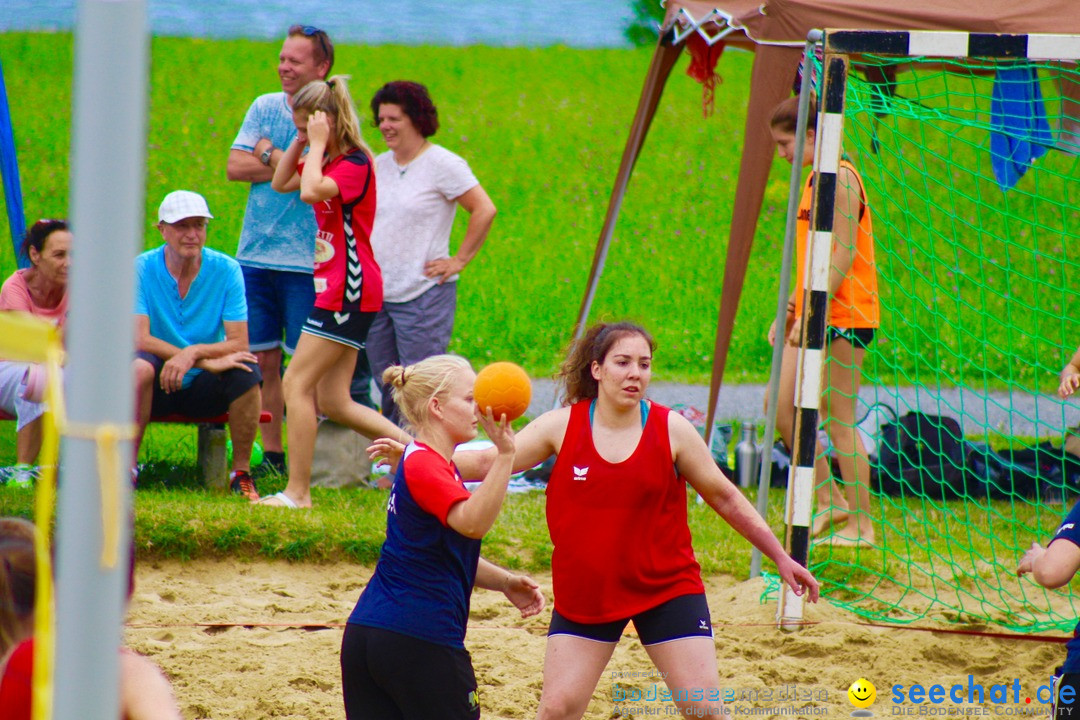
pixel 424 578
pixel 216 295
pixel 1070 530
pixel 278 228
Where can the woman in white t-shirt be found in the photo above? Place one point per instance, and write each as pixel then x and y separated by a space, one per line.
pixel 420 187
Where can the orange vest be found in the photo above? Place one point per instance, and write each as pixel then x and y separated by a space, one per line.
pixel 855 303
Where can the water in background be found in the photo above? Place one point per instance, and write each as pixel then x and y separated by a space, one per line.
pixel 577 23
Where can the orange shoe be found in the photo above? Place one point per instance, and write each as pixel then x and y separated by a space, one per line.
pixel 243 484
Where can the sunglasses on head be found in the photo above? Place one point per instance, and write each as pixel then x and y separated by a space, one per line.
pixel 312 32
pixel 46 223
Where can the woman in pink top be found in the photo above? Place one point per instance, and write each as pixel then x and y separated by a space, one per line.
pixel 40 290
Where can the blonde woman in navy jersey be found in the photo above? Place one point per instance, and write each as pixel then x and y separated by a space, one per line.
pixel 403 654
pixel 616 510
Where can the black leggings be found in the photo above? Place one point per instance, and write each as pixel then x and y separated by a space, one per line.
pixel 389 676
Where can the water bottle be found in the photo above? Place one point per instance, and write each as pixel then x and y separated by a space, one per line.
pixel 746 456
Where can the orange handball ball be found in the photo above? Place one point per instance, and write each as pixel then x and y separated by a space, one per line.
pixel 505 388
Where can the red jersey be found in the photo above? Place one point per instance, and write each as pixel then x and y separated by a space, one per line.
pixel 622 542
pixel 16 684
pixel 346 274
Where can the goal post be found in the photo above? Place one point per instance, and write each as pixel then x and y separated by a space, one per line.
pixel 966 148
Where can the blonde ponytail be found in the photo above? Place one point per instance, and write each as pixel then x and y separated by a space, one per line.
pixel 333 98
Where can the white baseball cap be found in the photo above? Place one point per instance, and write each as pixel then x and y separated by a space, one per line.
pixel 180 204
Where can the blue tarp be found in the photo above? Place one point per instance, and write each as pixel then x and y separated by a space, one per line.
pixel 9 169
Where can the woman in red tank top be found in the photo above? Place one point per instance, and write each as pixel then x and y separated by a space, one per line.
pixel 617 514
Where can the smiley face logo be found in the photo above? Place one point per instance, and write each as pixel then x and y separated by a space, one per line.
pixel 862 693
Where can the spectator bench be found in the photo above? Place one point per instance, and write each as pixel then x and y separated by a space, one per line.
pixel 211 444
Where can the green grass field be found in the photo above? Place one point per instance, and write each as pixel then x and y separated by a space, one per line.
pixel 544 131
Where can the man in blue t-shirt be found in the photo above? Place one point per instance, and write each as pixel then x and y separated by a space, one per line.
pixel 191 334
pixel 277 242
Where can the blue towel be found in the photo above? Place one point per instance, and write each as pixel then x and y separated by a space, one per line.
pixel 1020 133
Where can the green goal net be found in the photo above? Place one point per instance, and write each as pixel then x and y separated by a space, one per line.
pixel 976 253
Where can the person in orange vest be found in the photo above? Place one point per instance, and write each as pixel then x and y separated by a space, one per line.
pixel 853 318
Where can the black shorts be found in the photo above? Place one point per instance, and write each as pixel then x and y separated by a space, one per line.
pixel 389 676
pixel 858 337
pixel 208 395
pixel 350 328
pixel 681 617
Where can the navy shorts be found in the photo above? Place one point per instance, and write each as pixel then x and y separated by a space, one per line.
pixel 389 676
pixel 348 328
pixel 208 395
pixel 678 618
pixel 278 303
pixel 858 337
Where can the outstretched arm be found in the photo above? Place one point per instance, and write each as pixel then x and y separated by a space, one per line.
pixel 696 464
pixel 1070 376
pixel 521 590
pixel 1052 567
pixel 536 442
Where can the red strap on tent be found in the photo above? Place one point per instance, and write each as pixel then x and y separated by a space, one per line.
pixel 703 59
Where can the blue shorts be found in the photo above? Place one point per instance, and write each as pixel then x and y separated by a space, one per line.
pixel 279 302
pixel 681 617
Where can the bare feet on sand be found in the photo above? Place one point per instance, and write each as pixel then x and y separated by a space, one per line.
pixel 824 521
pixel 849 536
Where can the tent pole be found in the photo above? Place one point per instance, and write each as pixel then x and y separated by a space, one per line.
pixel 106 208
pixel 794 191
pixel 663 61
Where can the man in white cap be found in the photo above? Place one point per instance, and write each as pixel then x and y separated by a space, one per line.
pixel 277 242
pixel 191 333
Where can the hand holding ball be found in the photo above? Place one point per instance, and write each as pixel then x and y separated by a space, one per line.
pixel 505 388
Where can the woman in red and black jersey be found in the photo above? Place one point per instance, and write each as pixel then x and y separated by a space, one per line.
pixel 337 179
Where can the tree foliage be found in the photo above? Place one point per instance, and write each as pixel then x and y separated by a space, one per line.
pixel 643 28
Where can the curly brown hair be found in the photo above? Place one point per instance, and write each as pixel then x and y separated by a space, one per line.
pixel 413 99
pixel 594 346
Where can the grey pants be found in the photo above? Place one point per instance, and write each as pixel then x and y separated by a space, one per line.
pixel 406 333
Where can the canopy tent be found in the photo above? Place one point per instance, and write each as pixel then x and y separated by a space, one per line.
pixel 776 31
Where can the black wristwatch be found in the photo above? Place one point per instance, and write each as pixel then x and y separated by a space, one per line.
pixel 264 158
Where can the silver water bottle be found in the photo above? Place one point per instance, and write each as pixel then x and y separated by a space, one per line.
pixel 746 456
